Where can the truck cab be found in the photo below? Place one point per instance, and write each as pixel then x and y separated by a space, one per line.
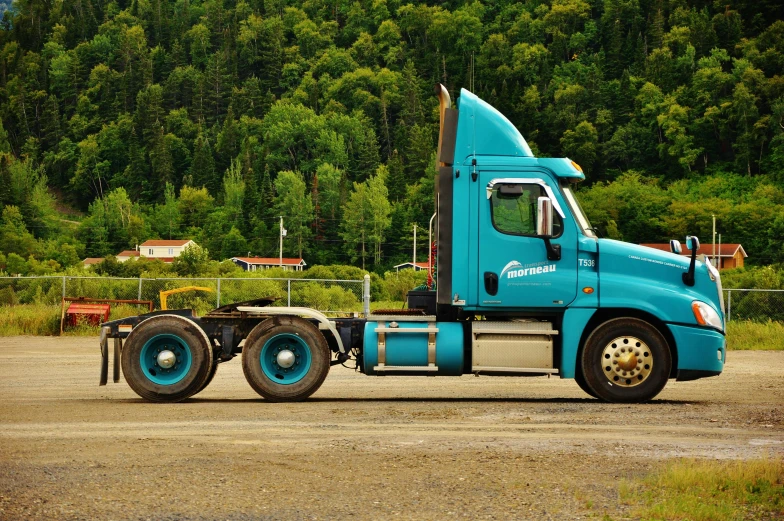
pixel 516 249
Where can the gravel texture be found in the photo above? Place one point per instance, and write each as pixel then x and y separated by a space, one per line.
pixel 360 448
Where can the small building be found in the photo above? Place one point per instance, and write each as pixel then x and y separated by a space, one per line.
pixel 90 261
pixel 127 254
pixel 164 250
pixel 419 266
pixel 728 256
pixel 265 263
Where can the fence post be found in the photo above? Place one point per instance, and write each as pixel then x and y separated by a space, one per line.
pixel 729 304
pixel 139 297
pixel 63 287
pixel 217 291
pixel 288 292
pixel 366 295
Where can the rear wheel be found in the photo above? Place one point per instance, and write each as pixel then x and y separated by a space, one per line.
pixel 626 360
pixel 166 358
pixel 285 359
pixel 213 370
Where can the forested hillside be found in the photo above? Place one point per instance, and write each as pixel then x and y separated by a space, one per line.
pixel 209 119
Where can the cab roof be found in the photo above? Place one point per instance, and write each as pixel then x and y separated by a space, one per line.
pixel 484 133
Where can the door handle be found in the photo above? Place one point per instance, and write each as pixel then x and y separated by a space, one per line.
pixel 491 283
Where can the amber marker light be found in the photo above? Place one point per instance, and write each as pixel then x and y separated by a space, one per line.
pixel 695 307
pixel 587 290
pixel 578 167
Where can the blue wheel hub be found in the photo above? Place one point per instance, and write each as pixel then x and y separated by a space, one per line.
pixel 285 358
pixel 165 359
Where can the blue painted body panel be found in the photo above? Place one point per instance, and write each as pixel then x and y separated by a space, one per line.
pixel 410 349
pixel 551 284
pixel 698 348
pixel 492 133
pixel 575 320
pixel 636 277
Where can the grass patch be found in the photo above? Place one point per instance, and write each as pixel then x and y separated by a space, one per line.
pixel 744 335
pixel 387 304
pixel 700 490
pixel 30 319
pixel 44 320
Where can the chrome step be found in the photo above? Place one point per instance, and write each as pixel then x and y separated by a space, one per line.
pixel 383 368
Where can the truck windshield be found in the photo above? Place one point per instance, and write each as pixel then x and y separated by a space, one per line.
pixel 577 211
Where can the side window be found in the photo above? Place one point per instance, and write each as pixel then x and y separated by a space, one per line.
pixel 513 207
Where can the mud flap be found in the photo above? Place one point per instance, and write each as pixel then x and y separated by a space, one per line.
pixel 116 361
pixel 104 355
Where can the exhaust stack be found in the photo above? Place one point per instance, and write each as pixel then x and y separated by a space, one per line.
pixel 444 103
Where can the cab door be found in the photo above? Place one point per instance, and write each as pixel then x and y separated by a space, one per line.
pixel 514 269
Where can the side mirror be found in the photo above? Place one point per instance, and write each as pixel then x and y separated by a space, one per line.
pixel 544 227
pixel 675 246
pixel 693 243
pixel 544 217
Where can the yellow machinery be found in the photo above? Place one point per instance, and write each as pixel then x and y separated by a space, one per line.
pixel 168 292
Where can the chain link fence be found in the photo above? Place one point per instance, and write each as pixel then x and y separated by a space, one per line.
pixel 758 305
pixel 332 296
pixel 328 296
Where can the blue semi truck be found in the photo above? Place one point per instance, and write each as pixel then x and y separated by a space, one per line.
pixel 524 287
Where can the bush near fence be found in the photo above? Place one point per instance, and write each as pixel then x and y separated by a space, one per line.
pixel 327 288
pixel 340 296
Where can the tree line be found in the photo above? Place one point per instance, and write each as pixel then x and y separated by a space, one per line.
pixel 129 120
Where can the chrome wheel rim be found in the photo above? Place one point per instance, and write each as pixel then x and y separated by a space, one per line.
pixel 627 361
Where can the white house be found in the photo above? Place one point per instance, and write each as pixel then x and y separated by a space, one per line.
pixel 265 263
pixel 165 250
pixel 127 254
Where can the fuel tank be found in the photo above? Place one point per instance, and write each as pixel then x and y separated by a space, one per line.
pixel 407 347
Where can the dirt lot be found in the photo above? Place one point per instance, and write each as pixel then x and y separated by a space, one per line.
pixel 360 448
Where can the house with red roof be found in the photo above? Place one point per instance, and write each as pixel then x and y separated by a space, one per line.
pixel 92 261
pixel 265 263
pixel 127 254
pixel 728 256
pixel 419 266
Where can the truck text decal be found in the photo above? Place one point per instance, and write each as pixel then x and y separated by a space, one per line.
pixel 514 269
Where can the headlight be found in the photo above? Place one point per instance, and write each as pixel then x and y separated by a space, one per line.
pixel 706 315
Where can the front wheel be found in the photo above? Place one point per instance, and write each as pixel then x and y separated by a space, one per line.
pixel 285 359
pixel 626 360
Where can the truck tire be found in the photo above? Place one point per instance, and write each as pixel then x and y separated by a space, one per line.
pixel 166 358
pixel 580 379
pixel 285 359
pixel 213 370
pixel 626 360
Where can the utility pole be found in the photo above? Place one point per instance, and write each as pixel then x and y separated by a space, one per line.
pixel 414 261
pixel 282 234
pixel 714 239
pixel 717 267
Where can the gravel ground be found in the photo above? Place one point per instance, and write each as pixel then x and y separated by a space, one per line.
pixel 360 448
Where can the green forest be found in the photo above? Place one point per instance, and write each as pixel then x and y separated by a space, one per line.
pixel 128 120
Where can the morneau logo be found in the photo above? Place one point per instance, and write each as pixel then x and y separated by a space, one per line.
pixel 514 269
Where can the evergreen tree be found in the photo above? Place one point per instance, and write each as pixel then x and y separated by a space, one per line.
pixel 203 166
